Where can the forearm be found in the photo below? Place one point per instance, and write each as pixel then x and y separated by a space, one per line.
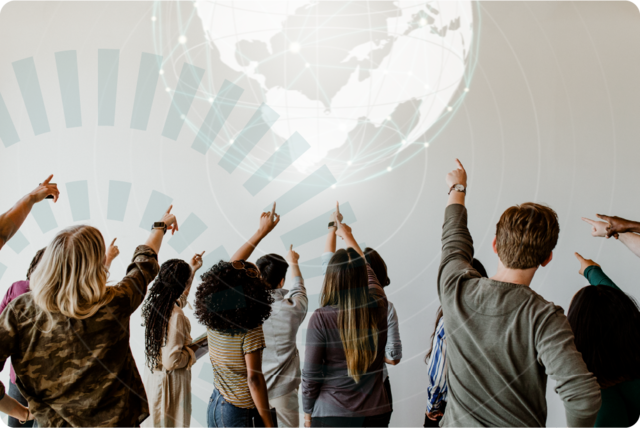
pixel 631 241
pixel 295 271
pixel 258 389
pixel 247 248
pixel 11 221
pixel 12 408
pixel 154 241
pixel 456 197
pixel 351 242
pixel 330 243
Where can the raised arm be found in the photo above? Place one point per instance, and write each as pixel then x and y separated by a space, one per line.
pixel 594 273
pixel 11 221
pixel 621 229
pixel 112 253
pixel 157 233
pixel 268 221
pixel 344 232
pixel 195 264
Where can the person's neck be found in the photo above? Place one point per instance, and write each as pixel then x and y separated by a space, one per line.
pixel 514 276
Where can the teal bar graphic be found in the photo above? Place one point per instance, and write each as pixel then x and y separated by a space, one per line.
pixel 18 242
pixel 189 231
pixel 315 228
pixel 222 106
pixel 148 76
pixel 118 199
pixel 108 62
pixel 44 216
pixel 67 64
pixel 261 121
pixel 213 257
pixel 190 78
pixel 3 269
pixel 78 194
pixel 206 373
pixel 283 158
pixel 311 268
pixel 8 133
pixel 27 76
pixel 320 180
pixel 156 207
pixel 198 406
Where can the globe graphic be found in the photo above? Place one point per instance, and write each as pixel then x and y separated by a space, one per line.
pixel 361 82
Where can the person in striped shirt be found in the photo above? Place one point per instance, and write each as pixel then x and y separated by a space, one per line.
pixel 233 302
pixel 436 366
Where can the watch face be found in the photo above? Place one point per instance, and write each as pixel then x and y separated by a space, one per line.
pixel 459 187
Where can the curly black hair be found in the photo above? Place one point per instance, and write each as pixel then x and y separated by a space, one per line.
pixel 229 301
pixel 158 306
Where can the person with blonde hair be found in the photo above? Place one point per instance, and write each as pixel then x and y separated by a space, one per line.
pixel 342 376
pixel 68 338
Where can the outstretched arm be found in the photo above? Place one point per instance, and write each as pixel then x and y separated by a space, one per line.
pixel 330 243
pixel 632 242
pixel 621 229
pixel 268 221
pixel 195 264
pixel 619 225
pixel 457 176
pixel 11 221
pixel 594 273
pixel 344 232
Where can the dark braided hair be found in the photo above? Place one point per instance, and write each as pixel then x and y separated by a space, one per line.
pixel 158 306
pixel 231 302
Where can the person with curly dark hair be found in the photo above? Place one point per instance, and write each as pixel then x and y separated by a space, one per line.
pixel 169 356
pixel 233 301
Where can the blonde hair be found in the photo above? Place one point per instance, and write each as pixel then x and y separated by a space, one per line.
pixel 71 278
pixel 346 286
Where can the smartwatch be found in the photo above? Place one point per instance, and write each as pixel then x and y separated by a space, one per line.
pixel 332 224
pixel 160 225
pixel 459 188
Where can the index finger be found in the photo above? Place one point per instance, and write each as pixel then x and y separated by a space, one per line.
pixel 591 222
pixel 48 179
pixel 338 207
pixel 603 217
pixel 201 254
pixel 579 257
pixel 113 242
pixel 291 247
pixel 273 210
pixel 459 164
pixel 169 209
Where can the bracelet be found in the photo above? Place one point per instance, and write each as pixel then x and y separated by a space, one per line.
pixel 28 415
pixel 332 224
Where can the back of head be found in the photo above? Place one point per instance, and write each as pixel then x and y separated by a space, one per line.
pixel 71 277
pixel 34 262
pixel 378 265
pixel 606 325
pixel 233 300
pixel 346 286
pixel 526 235
pixel 158 306
pixel 273 269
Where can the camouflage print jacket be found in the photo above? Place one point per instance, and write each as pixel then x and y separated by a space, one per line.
pixel 82 372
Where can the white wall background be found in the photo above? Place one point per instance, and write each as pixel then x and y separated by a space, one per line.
pixel 551 116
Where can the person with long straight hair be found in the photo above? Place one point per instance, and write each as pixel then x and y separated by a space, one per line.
pixel 169 356
pixel 68 339
pixel 606 324
pixel 342 377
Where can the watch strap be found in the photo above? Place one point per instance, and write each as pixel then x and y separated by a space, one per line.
pixel 160 225
pixel 332 224
pixel 454 188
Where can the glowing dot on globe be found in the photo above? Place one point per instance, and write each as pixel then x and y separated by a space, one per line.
pixel 404 142
pixel 423 22
pixel 230 141
pixel 388 168
pixel 388 117
pixel 426 144
pixel 294 47
pixel 210 99
pixel 466 89
pixel 449 108
pixel 307 65
pixel 182 116
pixel 153 18
pixel 167 89
pixel 426 86
pixel 349 162
pixel 182 39
pixel 386 72
pixel 277 148
pixel 333 186
pixel 161 72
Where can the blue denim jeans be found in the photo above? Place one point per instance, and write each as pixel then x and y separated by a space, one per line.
pixel 220 413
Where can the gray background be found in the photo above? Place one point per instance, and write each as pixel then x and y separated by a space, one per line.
pixel 551 116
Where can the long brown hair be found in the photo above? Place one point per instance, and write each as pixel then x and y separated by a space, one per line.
pixel 346 286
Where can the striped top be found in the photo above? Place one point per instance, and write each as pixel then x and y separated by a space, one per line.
pixel 437 389
pixel 229 367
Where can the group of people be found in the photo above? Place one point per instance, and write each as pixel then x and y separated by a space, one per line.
pixel 495 340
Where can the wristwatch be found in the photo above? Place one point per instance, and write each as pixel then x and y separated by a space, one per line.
pixel 160 225
pixel 459 188
pixel 332 224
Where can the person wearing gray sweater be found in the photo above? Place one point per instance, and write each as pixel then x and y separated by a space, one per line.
pixel 504 339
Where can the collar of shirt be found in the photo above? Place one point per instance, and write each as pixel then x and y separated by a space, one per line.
pixel 279 293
